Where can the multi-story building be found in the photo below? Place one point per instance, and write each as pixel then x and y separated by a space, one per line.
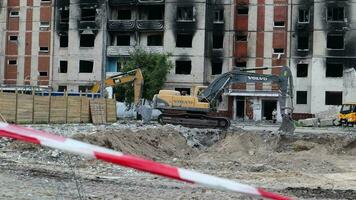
pixel 64 44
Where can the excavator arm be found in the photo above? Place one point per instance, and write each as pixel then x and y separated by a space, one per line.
pixel 284 81
pixel 134 76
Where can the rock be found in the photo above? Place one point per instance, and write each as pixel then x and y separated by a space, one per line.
pixel 310 122
pixel 326 122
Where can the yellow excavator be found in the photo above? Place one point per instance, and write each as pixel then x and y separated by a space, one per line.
pixel 347 115
pixel 134 76
pixel 199 110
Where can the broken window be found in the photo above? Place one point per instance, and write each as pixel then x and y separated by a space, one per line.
pixel 84 88
pixel 335 41
pixel 242 10
pixel 124 15
pixel 63 41
pixel 88 14
pixel 278 50
pixel 87 40
pixel 63 66
pixel 218 15
pixel 302 97
pixel 216 67
pixel 335 13
pixel 241 38
pixel 43 73
pixel 303 15
pixel 183 67
pixel 302 70
pixel 62 88
pixel 184 40
pixel 333 98
pixel 183 91
pixel 218 41
pixel 240 64
pixel 185 13
pixel 278 24
pixel 123 40
pixel 334 69
pixel 154 40
pixel 155 13
pixel 303 42
pixel 86 66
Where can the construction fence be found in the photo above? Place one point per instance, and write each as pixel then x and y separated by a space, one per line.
pixel 31 109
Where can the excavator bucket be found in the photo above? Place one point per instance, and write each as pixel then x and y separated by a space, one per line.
pixel 287 125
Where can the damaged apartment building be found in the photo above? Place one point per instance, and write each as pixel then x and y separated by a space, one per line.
pixel 63 44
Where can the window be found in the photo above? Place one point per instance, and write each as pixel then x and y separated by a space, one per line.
pixel 218 41
pixel 12 62
pixel 154 40
pixel 241 38
pixel 242 10
pixel 185 13
pixel 335 41
pixel 302 70
pixel 88 14
pixel 303 42
pixel 123 40
pixel 44 49
pixel 303 15
pixel 87 40
pixel 183 67
pixel 45 1
pixel 155 13
pixel 44 24
pixel 333 98
pixel 43 74
pixel 219 16
pixel 124 15
pixel 184 40
pixel 63 41
pixel 62 88
pixel 334 69
pixel 86 66
pixel 14 13
pixel 302 97
pixel 278 51
pixel 84 88
pixel 336 14
pixel 278 24
pixel 216 67
pixel 183 91
pixel 13 38
pixel 63 66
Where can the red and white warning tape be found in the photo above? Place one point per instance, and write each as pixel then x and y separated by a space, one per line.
pixel 100 153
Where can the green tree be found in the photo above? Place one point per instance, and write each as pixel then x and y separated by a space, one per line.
pixel 154 67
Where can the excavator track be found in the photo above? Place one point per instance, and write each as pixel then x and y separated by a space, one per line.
pixel 195 120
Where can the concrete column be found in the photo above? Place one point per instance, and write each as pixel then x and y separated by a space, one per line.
pixel 234 107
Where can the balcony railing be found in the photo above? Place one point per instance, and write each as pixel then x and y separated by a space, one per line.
pixel 149 2
pixel 115 51
pixel 82 25
pixel 121 25
pixel 122 2
pixel 150 24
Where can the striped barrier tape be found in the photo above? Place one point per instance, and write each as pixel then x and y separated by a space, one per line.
pixel 80 148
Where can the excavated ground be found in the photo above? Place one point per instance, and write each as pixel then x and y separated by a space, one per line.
pixel 317 165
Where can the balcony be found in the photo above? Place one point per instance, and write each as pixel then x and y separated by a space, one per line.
pixel 121 25
pixel 122 2
pixel 149 25
pixel 116 51
pixel 150 2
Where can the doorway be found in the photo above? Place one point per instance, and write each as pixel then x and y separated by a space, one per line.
pixel 267 108
pixel 240 107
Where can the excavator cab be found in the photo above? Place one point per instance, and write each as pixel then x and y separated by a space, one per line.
pixel 347 115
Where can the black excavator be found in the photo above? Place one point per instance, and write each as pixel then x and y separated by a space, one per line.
pixel 199 111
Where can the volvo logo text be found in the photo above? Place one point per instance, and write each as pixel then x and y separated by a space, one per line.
pixel 257 78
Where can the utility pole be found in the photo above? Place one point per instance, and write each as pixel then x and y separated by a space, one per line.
pixel 104 32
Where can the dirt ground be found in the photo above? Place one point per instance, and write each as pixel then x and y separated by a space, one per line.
pixel 306 165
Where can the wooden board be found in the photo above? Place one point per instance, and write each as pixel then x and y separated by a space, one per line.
pixel 24 109
pixel 85 111
pixel 8 106
pixel 73 112
pixel 111 110
pixel 58 112
pixel 98 111
pixel 41 110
